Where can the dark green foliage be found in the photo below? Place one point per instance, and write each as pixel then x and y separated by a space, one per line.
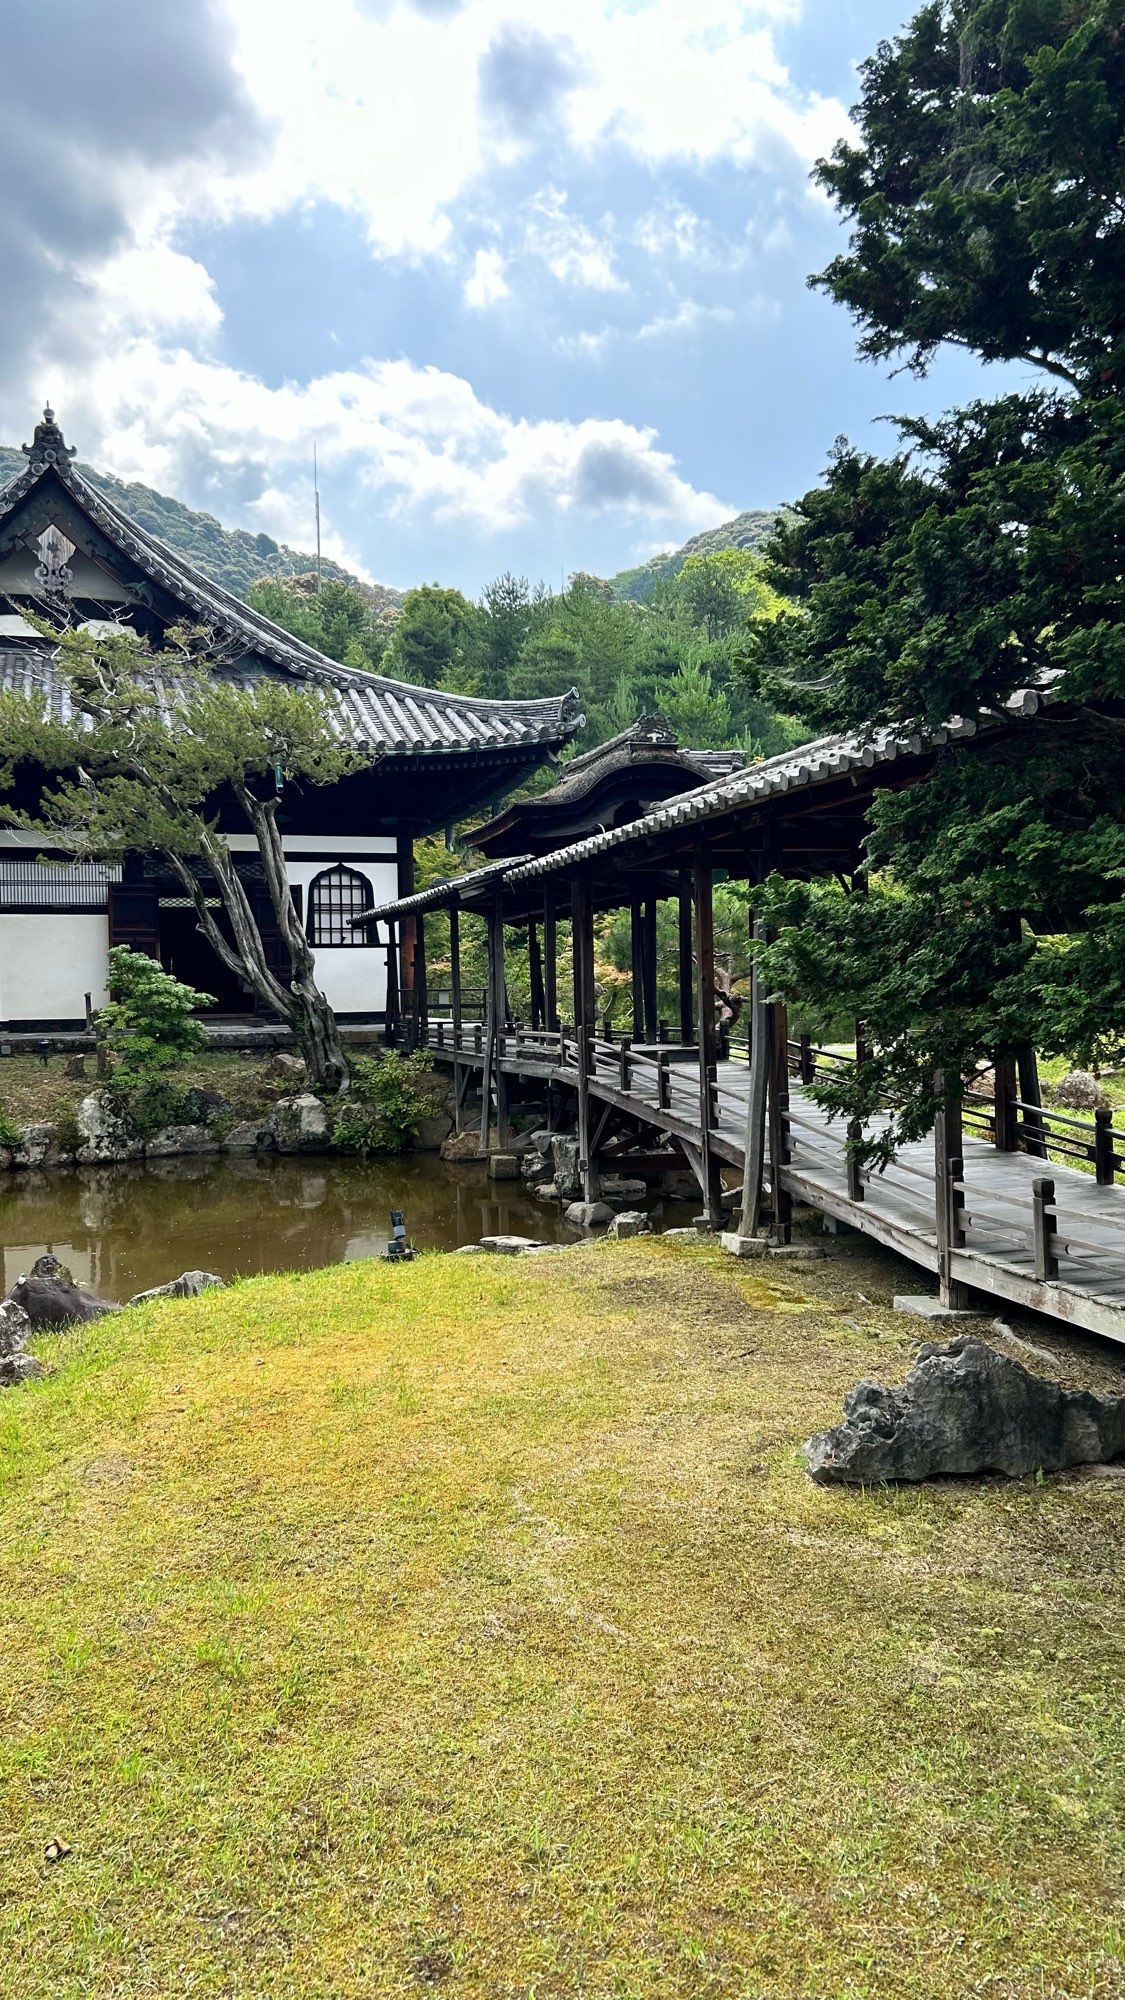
pixel 391 1096
pixel 987 206
pixel 985 191
pixel 751 530
pixel 336 619
pixel 149 1029
pixel 439 641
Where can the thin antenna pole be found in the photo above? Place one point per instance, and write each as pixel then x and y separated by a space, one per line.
pixel 316 502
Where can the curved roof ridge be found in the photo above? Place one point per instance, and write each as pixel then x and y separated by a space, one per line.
pixel 546 714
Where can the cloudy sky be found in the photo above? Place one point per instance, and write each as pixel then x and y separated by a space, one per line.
pixel 532 277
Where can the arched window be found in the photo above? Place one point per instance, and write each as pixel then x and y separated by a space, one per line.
pixel 335 895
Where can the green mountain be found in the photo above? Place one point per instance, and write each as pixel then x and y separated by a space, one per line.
pixel 230 556
pixel 747 531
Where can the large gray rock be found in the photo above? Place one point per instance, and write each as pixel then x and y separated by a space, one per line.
pixel 432 1133
pixel 103 1133
pixel 300 1124
pixel 173 1140
pixel 564 1159
pixel 188 1285
pixel 1079 1090
pixel 14 1327
pixel 621 1193
pixel 15 1365
pixel 631 1222
pixel 589 1214
pixel 51 1299
pixel 38 1147
pixel 963 1409
pixel 249 1136
pixel 509 1246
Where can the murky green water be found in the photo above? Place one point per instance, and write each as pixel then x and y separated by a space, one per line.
pixel 123 1228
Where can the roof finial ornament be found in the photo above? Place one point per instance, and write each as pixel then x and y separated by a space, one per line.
pixel 48 445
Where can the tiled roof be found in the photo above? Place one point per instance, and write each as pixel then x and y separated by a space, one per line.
pixel 454 889
pixel 828 758
pixel 372 709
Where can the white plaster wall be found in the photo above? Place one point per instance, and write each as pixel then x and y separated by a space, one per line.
pixel 49 963
pixel 352 977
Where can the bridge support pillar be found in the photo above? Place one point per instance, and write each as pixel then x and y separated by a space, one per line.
pixel 687 1025
pixel 390 1017
pixel 582 928
pixel 949 1195
pixel 455 1010
pixel 702 885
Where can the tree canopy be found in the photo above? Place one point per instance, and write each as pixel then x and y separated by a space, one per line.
pixel 985 195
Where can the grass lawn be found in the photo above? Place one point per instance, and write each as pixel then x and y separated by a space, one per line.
pixel 472 1626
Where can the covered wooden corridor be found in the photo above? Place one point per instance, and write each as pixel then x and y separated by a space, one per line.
pixel 1009 1198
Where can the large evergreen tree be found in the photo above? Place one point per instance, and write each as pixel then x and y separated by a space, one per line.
pixel 986 196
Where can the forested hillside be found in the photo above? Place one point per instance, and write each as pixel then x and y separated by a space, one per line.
pixel 230 556
pixel 673 636
pixel 751 531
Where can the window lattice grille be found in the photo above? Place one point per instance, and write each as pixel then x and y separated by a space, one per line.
pixel 28 884
pixel 334 896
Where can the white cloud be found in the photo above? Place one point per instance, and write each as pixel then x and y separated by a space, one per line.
pixel 571 251
pixel 388 111
pixel 486 284
pixel 685 317
pixel 415 438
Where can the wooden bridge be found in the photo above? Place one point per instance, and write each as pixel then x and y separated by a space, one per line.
pixel 1030 1228
pixel 1009 1198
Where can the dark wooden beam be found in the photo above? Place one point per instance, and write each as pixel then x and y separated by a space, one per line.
pixel 687 1024
pixel 550 959
pixel 702 896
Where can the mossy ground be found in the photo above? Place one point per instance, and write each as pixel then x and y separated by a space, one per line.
pixel 472 1626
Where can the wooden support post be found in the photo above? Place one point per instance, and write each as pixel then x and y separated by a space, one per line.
pixel 624 1064
pixel 702 885
pixel 855 1127
pixel 391 1017
pixel 648 968
pixel 663 1082
pixel 535 977
pixel 550 963
pixel 755 1103
pixel 1034 1129
pixel 499 1015
pixel 455 1007
pixel 421 985
pixel 1103 1146
pixel 636 967
pixel 687 1024
pixel 806 1063
pixel 1005 1135
pixel 455 973
pixel 949 1197
pixel 582 930
pixel 1045 1222
pixel 777 1104
pixel 405 856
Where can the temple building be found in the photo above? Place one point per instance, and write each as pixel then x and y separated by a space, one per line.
pixel 68 553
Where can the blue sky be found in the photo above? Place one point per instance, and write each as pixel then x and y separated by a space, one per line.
pixel 534 280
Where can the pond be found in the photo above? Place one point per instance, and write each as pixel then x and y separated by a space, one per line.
pixel 121 1229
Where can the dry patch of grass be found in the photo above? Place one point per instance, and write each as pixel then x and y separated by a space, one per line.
pixel 472 1627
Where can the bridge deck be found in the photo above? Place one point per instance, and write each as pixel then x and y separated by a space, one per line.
pixel 897 1207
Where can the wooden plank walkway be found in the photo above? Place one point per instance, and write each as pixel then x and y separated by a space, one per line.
pixel 897 1207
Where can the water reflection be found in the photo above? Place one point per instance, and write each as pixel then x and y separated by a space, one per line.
pixel 123 1228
